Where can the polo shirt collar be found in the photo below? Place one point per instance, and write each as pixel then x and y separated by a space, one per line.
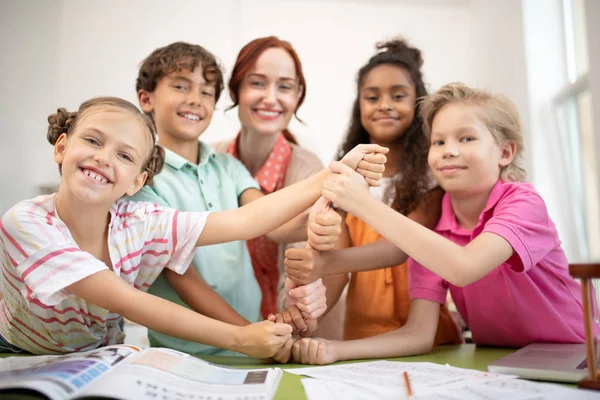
pixel 174 160
pixel 448 220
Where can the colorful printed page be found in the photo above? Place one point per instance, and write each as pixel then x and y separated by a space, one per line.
pixel 126 372
pixel 61 377
pixel 168 374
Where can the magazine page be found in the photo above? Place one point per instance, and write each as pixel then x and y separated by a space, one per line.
pixel 63 376
pixel 167 374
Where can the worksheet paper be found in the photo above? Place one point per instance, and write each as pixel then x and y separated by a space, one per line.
pixel 384 379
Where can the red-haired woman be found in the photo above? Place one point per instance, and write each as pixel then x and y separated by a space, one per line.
pixel 268 86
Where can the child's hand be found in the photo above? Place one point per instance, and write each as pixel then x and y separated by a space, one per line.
pixel 284 354
pixel 314 351
pixel 263 339
pixel 304 266
pixel 310 299
pixel 368 160
pixel 323 226
pixel 311 327
pixel 292 316
pixel 345 187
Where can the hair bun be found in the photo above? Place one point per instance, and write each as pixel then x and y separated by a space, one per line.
pixel 59 123
pixel 401 46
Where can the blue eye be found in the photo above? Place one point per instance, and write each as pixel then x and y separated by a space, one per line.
pixel 257 84
pixel 93 141
pixel 181 88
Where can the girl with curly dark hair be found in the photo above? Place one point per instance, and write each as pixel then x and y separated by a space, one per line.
pixel 385 112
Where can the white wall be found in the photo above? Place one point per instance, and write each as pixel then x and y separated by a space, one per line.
pixel 28 73
pixel 67 51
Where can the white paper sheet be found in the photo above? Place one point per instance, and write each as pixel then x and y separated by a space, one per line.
pixel 384 379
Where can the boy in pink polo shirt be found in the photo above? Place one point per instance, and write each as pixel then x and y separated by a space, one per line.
pixel 494 247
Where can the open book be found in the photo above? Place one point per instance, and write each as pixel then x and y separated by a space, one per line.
pixel 127 372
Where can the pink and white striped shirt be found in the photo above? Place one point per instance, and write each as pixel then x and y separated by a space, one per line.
pixel 39 259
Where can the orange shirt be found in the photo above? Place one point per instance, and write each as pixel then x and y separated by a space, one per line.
pixel 264 252
pixel 378 300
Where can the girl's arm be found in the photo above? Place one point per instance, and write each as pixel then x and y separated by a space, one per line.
pixel 335 284
pixel 108 291
pixel 322 235
pixel 415 337
pixel 304 266
pixel 265 214
pixel 458 265
pixel 197 294
pixel 262 215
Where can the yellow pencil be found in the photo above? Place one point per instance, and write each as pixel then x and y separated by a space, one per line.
pixel 407 383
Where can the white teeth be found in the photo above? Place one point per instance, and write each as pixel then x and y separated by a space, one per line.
pixel 191 117
pixel 268 113
pixel 94 176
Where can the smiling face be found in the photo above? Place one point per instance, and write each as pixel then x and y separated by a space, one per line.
pixel 387 103
pixel 182 105
pixel 464 157
pixel 269 94
pixel 103 158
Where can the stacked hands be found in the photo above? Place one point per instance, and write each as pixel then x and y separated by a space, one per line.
pixel 290 335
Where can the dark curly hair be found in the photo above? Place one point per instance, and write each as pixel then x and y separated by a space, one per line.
pixel 412 185
pixel 65 122
pixel 176 56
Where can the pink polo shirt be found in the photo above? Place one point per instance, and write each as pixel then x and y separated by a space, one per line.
pixel 531 297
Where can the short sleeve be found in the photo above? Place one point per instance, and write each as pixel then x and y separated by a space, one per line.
pixel 521 218
pixel 170 235
pixel 240 175
pixel 187 228
pixel 147 194
pixel 424 284
pixel 42 257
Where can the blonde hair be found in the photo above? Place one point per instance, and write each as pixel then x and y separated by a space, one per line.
pixel 65 122
pixel 496 111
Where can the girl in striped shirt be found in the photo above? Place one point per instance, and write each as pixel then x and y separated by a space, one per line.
pixel 71 262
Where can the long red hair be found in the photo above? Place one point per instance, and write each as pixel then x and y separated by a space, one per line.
pixel 246 60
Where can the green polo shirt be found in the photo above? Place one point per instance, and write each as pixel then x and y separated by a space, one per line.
pixel 215 184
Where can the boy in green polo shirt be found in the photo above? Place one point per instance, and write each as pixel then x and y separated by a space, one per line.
pixel 179 85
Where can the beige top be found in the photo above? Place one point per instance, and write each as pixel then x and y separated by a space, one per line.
pixel 304 164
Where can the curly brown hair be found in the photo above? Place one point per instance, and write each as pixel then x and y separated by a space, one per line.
pixel 174 57
pixel 65 122
pixel 413 183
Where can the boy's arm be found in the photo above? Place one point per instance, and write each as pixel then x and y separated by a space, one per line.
pixel 197 294
pixel 415 337
pixel 108 291
pixel 456 264
pixel 305 267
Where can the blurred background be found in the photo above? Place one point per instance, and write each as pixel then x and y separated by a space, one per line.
pixel 543 54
